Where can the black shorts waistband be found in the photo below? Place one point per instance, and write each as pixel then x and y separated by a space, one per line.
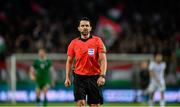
pixel 85 76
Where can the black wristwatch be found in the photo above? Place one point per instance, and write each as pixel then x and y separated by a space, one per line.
pixel 102 76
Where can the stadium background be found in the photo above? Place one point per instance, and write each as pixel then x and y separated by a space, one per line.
pixel 126 26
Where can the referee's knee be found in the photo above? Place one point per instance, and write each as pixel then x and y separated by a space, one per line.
pixel 94 105
pixel 81 103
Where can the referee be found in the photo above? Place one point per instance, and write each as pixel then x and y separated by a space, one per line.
pixel 90 66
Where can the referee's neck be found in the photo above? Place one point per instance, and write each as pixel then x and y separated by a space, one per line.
pixel 85 36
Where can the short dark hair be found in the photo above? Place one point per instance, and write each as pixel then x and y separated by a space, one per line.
pixel 85 19
pixel 157 53
pixel 42 49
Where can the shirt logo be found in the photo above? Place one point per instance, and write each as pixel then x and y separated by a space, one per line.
pixel 90 51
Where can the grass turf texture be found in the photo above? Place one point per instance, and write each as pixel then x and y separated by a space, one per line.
pixel 70 104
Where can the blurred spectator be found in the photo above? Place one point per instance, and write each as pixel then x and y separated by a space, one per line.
pixel 144 80
pixel 2 47
pixel 26 25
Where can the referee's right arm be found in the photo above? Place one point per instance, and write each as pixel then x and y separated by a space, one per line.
pixel 69 63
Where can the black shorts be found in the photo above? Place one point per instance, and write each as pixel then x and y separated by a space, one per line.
pixel 87 85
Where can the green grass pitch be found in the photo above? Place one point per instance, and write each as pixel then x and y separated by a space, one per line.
pixel 70 104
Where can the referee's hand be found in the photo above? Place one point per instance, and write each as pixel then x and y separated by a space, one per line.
pixel 67 83
pixel 101 81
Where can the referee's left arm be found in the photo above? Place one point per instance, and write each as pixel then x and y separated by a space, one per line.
pixel 103 63
pixel 103 67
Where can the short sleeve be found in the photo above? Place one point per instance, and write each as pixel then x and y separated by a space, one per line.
pixel 35 64
pixel 101 46
pixel 151 66
pixel 70 51
pixel 164 66
pixel 50 63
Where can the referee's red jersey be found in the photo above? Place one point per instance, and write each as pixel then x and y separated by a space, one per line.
pixel 86 55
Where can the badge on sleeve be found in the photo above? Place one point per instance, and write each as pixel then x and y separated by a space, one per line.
pixel 91 51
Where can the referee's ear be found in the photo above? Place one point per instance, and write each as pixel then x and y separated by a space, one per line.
pixel 90 27
pixel 78 28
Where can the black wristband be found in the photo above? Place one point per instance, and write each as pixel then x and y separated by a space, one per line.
pixel 102 76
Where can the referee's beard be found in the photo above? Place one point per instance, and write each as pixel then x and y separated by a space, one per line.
pixel 85 35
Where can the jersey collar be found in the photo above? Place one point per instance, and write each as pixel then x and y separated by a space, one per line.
pixel 84 40
pixel 42 59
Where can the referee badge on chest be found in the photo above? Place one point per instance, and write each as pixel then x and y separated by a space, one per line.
pixel 91 51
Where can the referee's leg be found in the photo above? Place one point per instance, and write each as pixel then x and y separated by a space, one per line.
pixel 81 103
pixel 94 105
pixel 94 92
pixel 80 90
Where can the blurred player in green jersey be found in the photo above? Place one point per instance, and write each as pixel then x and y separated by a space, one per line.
pixel 41 72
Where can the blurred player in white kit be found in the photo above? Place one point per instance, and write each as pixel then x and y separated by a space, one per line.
pixel 156 69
